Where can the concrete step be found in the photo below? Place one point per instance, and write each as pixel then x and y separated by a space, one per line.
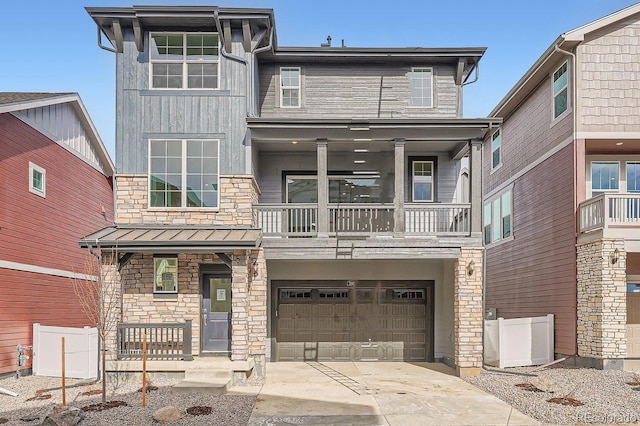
pixel 205 374
pixel 214 386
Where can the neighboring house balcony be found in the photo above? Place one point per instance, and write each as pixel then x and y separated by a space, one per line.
pixel 611 216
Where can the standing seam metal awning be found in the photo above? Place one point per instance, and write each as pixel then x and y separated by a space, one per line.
pixel 171 239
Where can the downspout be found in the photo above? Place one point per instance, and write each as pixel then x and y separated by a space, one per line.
pixel 476 69
pixel 100 45
pixel 574 107
pixel 255 54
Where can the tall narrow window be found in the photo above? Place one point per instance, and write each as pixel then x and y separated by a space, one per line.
pixel 289 87
pixel 633 177
pixel 497 218
pixel 165 273
pixel 605 176
pixel 560 90
pixel 183 173
pixel 37 180
pixel 421 87
pixel 496 156
pixel 184 60
pixel 422 180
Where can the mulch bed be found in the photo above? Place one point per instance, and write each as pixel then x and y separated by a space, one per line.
pixel 199 410
pixel 566 401
pixel 104 406
pixel 528 387
pixel 3 421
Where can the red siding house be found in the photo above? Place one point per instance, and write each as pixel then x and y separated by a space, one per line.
pixel 55 186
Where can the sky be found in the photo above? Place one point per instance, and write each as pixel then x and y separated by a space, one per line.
pixel 51 45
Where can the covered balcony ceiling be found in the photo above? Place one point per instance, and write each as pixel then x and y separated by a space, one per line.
pixel 450 135
pixel 612 146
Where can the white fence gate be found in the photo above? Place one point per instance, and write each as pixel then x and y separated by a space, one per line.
pixel 518 342
pixel 81 351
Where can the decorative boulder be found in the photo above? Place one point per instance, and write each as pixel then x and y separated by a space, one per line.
pixel 166 415
pixel 62 415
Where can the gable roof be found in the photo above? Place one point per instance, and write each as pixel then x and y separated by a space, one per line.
pixel 550 58
pixel 14 102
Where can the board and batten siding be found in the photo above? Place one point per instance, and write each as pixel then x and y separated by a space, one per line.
pixel 143 113
pixel 43 232
pixel 535 273
pixel 273 164
pixel 609 83
pixel 357 91
pixel 526 135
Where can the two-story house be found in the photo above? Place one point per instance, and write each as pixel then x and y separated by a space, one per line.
pixel 293 203
pixel 561 183
pixel 55 187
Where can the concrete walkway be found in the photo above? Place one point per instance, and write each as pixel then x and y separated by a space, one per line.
pixel 380 393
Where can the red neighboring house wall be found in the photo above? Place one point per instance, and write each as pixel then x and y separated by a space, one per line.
pixel 43 232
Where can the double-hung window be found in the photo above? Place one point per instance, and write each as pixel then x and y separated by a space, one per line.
pixel 560 90
pixel 422 173
pixel 183 173
pixel 497 218
pixel 421 87
pixel 184 60
pixel 290 87
pixel 496 152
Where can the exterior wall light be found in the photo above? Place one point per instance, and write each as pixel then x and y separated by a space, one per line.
pixel 615 256
pixel 471 267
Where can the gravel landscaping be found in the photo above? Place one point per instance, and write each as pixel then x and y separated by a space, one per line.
pixel 605 396
pixel 229 410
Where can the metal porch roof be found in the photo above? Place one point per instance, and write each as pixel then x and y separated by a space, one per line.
pixel 172 239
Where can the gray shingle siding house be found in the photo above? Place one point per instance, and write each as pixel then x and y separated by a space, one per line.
pixel 294 203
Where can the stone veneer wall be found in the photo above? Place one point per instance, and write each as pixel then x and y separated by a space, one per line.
pixel 238 194
pixel 602 300
pixel 467 310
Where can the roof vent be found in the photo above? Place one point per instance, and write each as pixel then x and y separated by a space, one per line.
pixel 328 43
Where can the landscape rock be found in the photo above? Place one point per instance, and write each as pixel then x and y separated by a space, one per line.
pixel 62 415
pixel 166 415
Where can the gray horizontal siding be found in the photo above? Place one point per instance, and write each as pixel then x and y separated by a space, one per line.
pixel 357 90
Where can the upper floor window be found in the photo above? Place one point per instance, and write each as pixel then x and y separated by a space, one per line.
pixel 290 87
pixel 422 173
pixel 183 173
pixel 560 90
pixel 421 87
pixel 496 156
pixel 37 180
pixel 184 60
pixel 497 218
pixel 605 176
pixel 633 177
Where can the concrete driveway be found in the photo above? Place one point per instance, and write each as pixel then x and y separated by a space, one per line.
pixel 380 393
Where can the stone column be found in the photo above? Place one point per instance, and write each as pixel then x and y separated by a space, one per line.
pixel 602 303
pixel 398 199
pixel 239 305
pixel 323 189
pixel 257 310
pixel 111 297
pixel 467 311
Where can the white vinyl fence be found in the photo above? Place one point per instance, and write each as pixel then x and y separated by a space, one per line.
pixel 518 342
pixel 81 351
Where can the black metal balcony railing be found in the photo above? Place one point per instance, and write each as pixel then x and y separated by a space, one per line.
pixel 301 220
pixel 164 340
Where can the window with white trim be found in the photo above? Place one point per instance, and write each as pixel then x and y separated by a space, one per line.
pixel 165 274
pixel 633 176
pixel 560 90
pixel 421 87
pixel 184 60
pixel 183 173
pixel 422 173
pixel 290 87
pixel 605 177
pixel 37 180
pixel 497 218
pixel 496 150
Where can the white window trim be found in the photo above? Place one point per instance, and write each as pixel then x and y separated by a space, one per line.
pixel 490 201
pixel 183 61
pixel 183 179
pixel 566 112
pixel 497 166
pixel 432 92
pixel 433 181
pixel 34 167
pixel 622 160
pixel 155 290
pixel 299 87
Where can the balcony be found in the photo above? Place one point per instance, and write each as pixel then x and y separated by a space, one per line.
pixel 363 220
pixel 611 216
